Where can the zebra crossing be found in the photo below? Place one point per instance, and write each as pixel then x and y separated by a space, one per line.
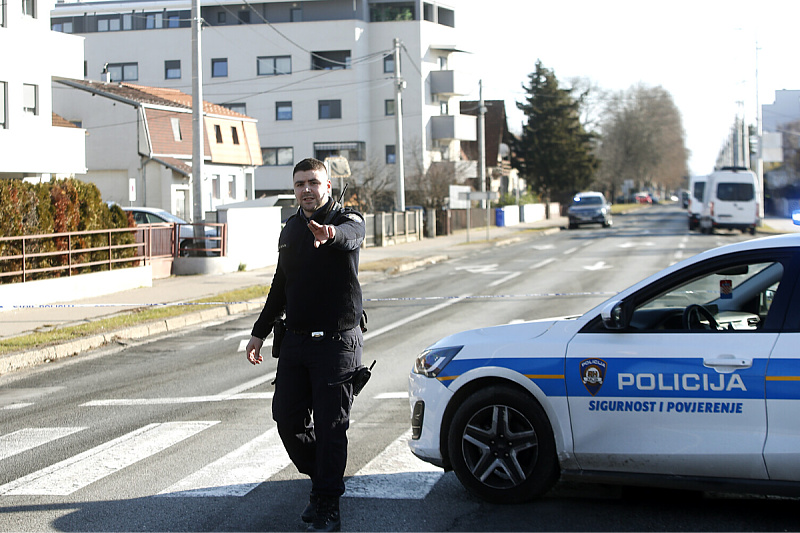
pixel 392 474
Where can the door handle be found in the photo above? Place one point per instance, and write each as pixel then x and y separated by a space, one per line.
pixel 727 362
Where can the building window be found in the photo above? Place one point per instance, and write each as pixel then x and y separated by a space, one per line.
pixel 283 111
pixel 218 133
pixel 219 68
pixel 442 62
pixel 352 151
pixel 63 27
pixel 3 108
pixel 390 156
pixel 172 69
pixel 332 60
pixel 123 71
pixel 127 22
pixel 176 128
pixel 397 11
pixel 235 134
pixel 173 21
pixel 221 17
pixel 296 14
pixel 273 65
pixel 278 157
pixel 111 23
pixel 215 186
pixel 330 109
pixel 388 107
pixel 244 17
pixel 388 63
pixel 427 11
pixel 154 21
pixel 237 107
pixel 28 8
pixel 444 107
pixel 30 98
pixel 232 187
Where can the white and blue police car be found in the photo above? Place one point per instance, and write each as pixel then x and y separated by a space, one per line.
pixel 688 379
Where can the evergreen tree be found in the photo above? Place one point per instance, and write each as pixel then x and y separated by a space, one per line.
pixel 554 152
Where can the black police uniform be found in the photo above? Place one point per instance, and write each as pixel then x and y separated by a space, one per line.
pixel 319 290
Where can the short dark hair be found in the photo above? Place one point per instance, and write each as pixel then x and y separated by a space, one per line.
pixel 309 163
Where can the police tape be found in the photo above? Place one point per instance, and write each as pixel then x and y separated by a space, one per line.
pixel 395 299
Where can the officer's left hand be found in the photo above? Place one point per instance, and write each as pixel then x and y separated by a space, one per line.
pixel 321 232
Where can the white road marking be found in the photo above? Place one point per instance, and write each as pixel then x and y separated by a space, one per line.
pixel 502 280
pixel 600 265
pixel 392 396
pixel 243 344
pixel 482 269
pixel 541 247
pixel 19 405
pixel 240 333
pixel 570 251
pixel 70 475
pixel 542 263
pixel 236 473
pixel 28 438
pixel 394 474
pixel 374 333
pixel 235 393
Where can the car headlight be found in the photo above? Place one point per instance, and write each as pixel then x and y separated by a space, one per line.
pixel 431 361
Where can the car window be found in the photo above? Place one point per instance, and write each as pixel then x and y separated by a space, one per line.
pixel 588 200
pixel 735 192
pixel 738 297
pixel 699 189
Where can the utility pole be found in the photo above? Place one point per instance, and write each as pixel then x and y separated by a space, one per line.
pixel 482 153
pixel 197 121
pixel 399 85
pixel 759 147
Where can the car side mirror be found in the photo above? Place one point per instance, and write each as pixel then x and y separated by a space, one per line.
pixel 616 315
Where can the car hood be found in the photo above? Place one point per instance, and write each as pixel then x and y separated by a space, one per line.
pixel 498 336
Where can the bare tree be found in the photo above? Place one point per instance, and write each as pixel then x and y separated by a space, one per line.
pixel 642 140
pixel 373 186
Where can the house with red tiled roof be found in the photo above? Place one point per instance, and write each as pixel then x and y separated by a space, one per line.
pixel 139 145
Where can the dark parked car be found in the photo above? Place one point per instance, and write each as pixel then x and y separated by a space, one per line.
pixel 589 208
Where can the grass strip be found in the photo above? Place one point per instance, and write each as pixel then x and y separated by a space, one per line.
pixel 124 320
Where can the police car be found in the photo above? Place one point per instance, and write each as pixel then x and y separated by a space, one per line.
pixel 689 379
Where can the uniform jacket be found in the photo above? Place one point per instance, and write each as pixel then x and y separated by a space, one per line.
pixel 317 288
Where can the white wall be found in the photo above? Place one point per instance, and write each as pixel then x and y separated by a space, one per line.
pixel 32 54
pixel 252 234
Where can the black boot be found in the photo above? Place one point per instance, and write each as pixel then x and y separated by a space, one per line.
pixel 311 509
pixel 327 517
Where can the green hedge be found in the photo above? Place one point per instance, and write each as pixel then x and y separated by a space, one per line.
pixel 57 207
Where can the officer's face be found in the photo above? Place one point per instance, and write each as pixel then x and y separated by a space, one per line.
pixel 312 189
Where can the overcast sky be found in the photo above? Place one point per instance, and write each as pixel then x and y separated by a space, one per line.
pixel 703 52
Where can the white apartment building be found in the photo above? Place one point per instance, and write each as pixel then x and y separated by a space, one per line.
pixel 318 75
pixel 33 142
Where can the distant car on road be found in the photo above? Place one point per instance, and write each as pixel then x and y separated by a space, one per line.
pixel 589 208
pixel 643 198
pixel 154 215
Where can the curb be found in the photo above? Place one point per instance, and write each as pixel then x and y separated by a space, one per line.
pixel 47 354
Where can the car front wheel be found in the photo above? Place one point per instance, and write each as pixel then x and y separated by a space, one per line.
pixel 501 446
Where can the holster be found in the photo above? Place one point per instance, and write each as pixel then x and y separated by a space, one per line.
pixel 278 332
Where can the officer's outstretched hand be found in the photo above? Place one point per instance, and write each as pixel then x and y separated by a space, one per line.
pixel 253 350
pixel 321 232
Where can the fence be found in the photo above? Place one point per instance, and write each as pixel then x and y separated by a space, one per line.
pixel 54 255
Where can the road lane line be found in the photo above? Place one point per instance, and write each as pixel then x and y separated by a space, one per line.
pixel 70 475
pixel 394 474
pixel 570 251
pixel 380 331
pixel 28 438
pixel 542 263
pixel 236 473
pixel 502 280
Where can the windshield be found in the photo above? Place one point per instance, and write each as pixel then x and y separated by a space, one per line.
pixel 587 200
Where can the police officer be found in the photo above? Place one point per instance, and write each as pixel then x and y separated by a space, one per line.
pixel 316 285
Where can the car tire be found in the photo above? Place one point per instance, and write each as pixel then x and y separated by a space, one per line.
pixel 501 446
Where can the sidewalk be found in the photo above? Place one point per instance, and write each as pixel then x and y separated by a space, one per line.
pixel 376 263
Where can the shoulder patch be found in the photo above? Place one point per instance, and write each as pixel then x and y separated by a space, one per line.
pixel 355 217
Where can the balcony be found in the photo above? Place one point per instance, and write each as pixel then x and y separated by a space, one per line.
pixel 454 127
pixel 448 83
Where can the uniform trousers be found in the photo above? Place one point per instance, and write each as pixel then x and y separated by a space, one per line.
pixel 312 401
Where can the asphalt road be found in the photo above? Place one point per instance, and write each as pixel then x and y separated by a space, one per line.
pixel 175 434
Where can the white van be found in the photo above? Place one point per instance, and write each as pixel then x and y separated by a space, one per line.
pixel 731 200
pixel 697 188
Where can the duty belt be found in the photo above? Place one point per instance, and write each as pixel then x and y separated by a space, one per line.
pixel 318 335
